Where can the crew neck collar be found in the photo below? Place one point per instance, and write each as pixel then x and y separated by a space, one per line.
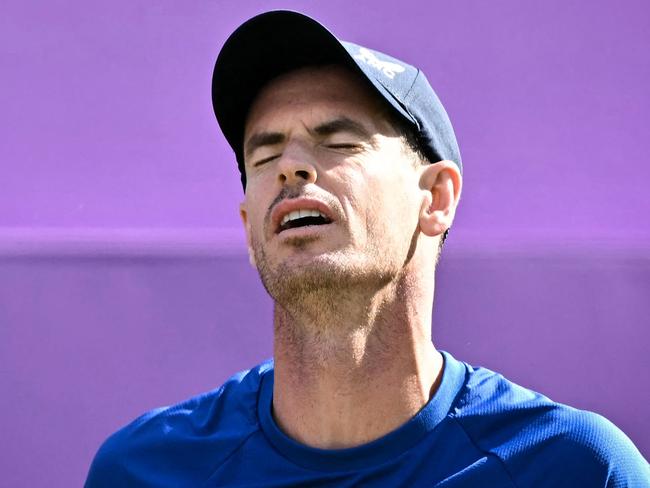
pixel 376 452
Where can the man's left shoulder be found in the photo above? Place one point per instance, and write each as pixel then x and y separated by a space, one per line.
pixel 546 443
pixel 586 447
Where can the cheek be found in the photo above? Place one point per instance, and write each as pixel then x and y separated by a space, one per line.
pixel 354 191
pixel 367 208
pixel 392 203
pixel 255 214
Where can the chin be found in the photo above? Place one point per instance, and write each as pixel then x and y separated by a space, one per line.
pixel 326 275
pixel 306 272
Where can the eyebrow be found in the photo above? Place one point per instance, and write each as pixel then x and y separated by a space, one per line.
pixel 262 139
pixel 342 124
pixel 339 124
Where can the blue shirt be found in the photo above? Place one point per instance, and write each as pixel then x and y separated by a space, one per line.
pixel 478 430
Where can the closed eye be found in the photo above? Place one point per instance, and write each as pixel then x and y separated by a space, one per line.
pixel 350 146
pixel 265 160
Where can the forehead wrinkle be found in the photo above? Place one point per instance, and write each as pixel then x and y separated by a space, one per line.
pixel 292 86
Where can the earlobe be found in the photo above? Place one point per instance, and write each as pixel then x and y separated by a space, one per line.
pixel 251 258
pixel 441 183
pixel 244 218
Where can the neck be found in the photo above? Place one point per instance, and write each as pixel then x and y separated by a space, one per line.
pixel 347 374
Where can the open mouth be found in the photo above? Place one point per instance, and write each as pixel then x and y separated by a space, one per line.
pixel 302 218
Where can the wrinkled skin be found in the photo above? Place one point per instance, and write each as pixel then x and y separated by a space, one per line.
pixel 369 181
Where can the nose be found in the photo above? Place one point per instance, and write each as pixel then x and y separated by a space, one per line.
pixel 295 167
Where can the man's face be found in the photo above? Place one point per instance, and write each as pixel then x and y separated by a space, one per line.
pixel 317 142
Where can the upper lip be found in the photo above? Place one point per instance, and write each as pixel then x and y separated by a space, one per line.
pixel 291 204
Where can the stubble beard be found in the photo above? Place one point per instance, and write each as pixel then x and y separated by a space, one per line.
pixel 318 292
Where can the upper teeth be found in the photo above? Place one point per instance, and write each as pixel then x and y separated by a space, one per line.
pixel 298 214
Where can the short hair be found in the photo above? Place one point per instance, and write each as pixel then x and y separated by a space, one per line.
pixel 414 144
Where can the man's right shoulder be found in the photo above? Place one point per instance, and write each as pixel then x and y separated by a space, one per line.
pixel 167 445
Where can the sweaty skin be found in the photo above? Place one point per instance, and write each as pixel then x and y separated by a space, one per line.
pixel 353 297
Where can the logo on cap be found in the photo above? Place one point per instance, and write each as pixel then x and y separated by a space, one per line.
pixel 388 68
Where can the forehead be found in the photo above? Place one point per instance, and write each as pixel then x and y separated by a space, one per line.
pixel 314 90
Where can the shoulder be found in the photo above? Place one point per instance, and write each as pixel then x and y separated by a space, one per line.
pixel 545 443
pixel 187 438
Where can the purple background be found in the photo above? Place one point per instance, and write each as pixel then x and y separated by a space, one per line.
pixel 123 279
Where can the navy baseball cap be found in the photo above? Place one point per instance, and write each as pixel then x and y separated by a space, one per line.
pixel 276 42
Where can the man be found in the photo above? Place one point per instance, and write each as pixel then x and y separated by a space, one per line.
pixel 352 176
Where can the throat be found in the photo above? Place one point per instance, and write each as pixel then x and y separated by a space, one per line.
pixel 338 409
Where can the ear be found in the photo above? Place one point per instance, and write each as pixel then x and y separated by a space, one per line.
pixel 441 183
pixel 244 218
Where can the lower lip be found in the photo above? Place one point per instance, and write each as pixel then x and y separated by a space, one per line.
pixel 306 231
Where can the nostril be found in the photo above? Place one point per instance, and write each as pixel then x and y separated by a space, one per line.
pixel 296 174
